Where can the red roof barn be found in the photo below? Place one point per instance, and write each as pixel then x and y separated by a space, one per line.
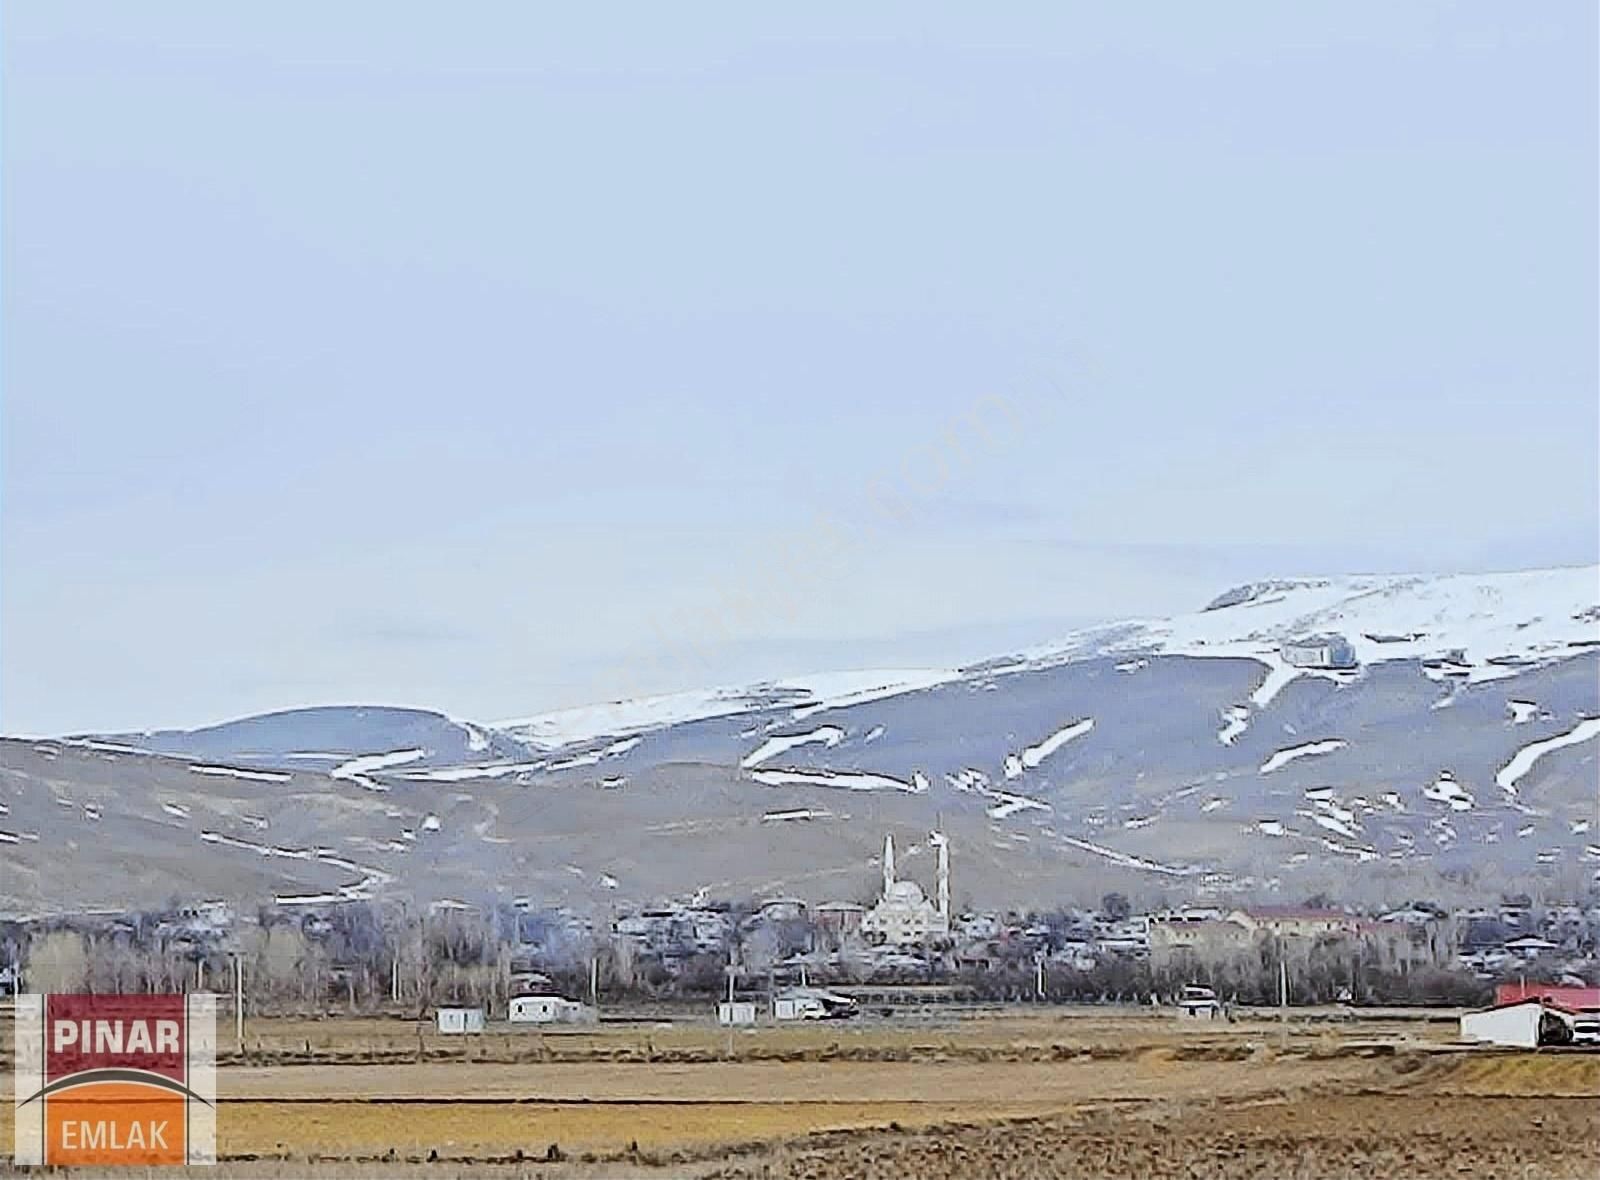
pixel 1568 997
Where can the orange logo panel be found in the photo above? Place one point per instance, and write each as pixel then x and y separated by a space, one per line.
pixel 115 1123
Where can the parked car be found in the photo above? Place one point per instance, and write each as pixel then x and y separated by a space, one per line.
pixel 1586 1030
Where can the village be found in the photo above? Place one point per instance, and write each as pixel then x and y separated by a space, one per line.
pixel 780 958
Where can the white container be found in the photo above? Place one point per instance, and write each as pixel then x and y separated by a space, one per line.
pixel 460 1020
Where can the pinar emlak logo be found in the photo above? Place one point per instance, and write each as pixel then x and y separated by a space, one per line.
pixel 115 1079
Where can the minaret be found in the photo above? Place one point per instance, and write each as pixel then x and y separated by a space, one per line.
pixel 888 864
pixel 944 874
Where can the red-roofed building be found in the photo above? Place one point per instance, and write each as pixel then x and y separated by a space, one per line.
pixel 1575 998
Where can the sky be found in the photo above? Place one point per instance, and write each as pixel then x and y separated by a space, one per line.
pixel 500 359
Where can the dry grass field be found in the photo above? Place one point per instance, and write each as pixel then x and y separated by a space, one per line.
pixel 1045 1093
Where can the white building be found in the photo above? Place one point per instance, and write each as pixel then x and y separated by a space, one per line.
pixel 1517 1024
pixel 548 1010
pixel 811 1003
pixel 460 1020
pixel 736 1012
pixel 1319 651
pixel 904 915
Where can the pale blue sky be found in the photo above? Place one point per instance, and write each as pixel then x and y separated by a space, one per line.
pixel 499 358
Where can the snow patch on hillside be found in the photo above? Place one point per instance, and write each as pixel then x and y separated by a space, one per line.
pixel 1238 720
pixel 803 694
pixel 1125 859
pixel 796 813
pixel 258 776
pixel 1446 790
pixel 1279 674
pixel 829 736
pixel 477 736
pixel 1007 804
pixel 461 774
pixel 1522 712
pixel 358 770
pixel 1033 755
pixel 1284 757
pixel 847 780
pixel 835 690
pixel 1524 759
pixel 594 757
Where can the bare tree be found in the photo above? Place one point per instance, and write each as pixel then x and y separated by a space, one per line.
pixel 57 962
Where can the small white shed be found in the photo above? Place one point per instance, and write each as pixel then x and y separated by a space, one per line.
pixel 460 1020
pixel 548 1010
pixel 1515 1024
pixel 736 1012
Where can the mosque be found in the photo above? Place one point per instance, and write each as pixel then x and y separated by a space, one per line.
pixel 904 915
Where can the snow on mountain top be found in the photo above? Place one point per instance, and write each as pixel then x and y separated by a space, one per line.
pixel 804 694
pixel 1494 621
pixel 1533 615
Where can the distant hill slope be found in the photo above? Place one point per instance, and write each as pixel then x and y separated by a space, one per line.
pixel 1166 757
pixel 327 733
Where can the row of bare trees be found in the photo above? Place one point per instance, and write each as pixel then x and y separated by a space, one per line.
pixel 372 957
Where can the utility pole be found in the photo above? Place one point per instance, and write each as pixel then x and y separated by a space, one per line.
pixel 238 1003
pixel 594 981
pixel 1038 977
pixel 1283 993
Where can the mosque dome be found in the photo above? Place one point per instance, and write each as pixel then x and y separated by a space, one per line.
pixel 906 891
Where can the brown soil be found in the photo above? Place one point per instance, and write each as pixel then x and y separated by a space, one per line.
pixel 1042 1096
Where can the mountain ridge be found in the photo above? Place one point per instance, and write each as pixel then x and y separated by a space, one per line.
pixel 1185 754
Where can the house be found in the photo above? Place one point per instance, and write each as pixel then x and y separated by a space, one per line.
pixel 460 1020
pixel 1131 936
pixel 1076 954
pixel 1295 921
pixel 1516 911
pixel 548 1010
pixel 1319 651
pixel 1523 1024
pixel 842 918
pixel 781 909
pixel 1206 938
pixel 1529 947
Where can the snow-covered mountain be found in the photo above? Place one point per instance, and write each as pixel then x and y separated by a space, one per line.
pixel 1184 753
pixel 1488 624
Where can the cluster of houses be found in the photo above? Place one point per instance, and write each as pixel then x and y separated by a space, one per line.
pixel 911 935
pixel 1516 934
pixel 531 961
